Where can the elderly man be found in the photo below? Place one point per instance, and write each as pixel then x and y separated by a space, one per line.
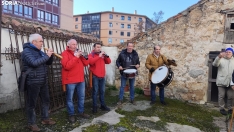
pixel 73 64
pixel 97 61
pixel 225 63
pixel 127 59
pixel 153 61
pixel 37 82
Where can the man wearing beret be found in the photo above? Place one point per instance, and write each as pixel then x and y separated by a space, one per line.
pixel 225 63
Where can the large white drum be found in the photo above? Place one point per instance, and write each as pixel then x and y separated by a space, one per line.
pixel 162 76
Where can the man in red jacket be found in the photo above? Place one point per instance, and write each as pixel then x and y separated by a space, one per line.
pixel 73 64
pixel 97 61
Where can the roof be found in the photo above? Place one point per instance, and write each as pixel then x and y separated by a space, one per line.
pixel 112 12
pixel 182 13
pixel 30 26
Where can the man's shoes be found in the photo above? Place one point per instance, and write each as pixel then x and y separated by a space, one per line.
pixel 83 115
pixel 48 122
pixel 133 102
pixel 34 128
pixel 230 111
pixel 94 109
pixel 223 112
pixel 152 102
pixel 71 118
pixel 104 108
pixel 163 103
pixel 120 102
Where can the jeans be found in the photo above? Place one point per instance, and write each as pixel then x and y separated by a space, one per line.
pixel 98 86
pixel 153 95
pixel 222 91
pixel 123 84
pixel 33 91
pixel 80 90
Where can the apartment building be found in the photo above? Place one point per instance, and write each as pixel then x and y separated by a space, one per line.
pixel 111 27
pixel 55 13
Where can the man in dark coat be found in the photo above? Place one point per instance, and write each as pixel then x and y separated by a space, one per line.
pixel 127 59
pixel 37 82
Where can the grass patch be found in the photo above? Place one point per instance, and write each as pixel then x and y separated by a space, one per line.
pixel 175 112
pixel 139 91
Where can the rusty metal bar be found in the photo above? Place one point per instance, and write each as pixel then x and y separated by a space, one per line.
pixel 1 39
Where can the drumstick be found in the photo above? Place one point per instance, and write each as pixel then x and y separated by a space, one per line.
pixel 59 56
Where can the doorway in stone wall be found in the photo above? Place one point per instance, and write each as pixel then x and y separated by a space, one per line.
pixel 212 93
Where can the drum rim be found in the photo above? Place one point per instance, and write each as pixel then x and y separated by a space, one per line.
pixel 164 78
pixel 171 79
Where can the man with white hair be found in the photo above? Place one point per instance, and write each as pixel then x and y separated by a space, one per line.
pixel 225 63
pixel 73 64
pixel 37 82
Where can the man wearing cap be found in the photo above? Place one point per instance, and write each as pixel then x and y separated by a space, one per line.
pixel 225 63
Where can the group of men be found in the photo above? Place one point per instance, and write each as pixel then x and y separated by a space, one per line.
pixel 73 64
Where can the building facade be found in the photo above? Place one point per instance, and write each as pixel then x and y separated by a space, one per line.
pixel 111 27
pixel 55 13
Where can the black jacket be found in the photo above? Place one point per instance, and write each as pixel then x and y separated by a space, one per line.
pixel 121 60
pixel 38 60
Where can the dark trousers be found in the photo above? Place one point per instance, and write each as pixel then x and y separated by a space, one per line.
pixel 33 92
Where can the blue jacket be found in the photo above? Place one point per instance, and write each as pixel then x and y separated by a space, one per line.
pixel 38 60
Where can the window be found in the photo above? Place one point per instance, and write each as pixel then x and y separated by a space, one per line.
pixel 28 11
pixel 110 32
pixel 110 16
pixel 121 41
pixel 55 2
pixel 116 15
pixel 48 1
pixel 7 8
pixel 18 10
pixel 129 18
pixel 128 34
pixel 129 26
pixel 48 17
pixel 76 26
pixel 140 19
pixel 122 17
pixel 110 40
pixel 232 26
pixel 40 15
pixel 116 23
pixel 55 19
pixel 122 25
pixel 76 19
pixel 110 24
pixel 121 33
pixel 229 28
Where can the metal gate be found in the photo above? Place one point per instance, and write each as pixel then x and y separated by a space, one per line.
pixel 57 40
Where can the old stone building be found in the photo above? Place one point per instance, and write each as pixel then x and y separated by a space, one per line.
pixel 193 38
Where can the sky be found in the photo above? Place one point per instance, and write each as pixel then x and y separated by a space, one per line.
pixel 143 7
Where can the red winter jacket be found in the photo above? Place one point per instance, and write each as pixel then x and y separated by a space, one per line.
pixel 97 64
pixel 72 67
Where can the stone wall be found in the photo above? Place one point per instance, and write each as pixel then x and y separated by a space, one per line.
pixel 187 37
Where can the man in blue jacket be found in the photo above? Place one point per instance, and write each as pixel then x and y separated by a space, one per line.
pixel 37 81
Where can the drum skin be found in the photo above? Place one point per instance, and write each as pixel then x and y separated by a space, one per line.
pixel 130 73
pixel 162 76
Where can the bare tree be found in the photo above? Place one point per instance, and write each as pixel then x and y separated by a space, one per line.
pixel 158 17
